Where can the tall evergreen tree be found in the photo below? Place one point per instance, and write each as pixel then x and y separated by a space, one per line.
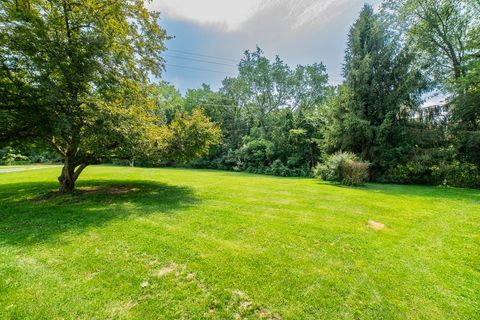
pixel 381 88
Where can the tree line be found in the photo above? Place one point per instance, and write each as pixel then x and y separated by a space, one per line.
pixel 69 85
pixel 286 121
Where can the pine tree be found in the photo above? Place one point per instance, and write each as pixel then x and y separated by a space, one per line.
pixel 381 88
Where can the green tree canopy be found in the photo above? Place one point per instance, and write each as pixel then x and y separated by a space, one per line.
pixel 381 89
pixel 75 75
pixel 438 32
pixel 445 37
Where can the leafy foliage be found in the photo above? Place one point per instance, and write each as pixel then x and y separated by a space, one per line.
pixel 10 156
pixel 369 116
pixel 437 31
pixel 344 167
pixel 268 116
pixel 189 136
pixel 445 37
pixel 76 76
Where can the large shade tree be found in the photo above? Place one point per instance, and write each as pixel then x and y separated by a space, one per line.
pixel 438 31
pixel 75 75
pixel 445 37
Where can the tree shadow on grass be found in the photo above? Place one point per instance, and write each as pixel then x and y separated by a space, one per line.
pixel 419 191
pixel 34 212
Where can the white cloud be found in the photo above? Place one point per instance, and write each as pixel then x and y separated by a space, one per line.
pixel 232 15
pixel 313 10
pixel 300 31
pixel 229 13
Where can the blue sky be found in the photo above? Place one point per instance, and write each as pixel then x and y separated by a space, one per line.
pixel 300 32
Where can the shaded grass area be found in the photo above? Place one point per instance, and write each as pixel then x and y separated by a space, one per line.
pixel 36 212
pixel 167 243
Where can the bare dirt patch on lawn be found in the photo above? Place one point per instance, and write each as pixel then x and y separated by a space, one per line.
pixel 375 225
pixel 87 191
pixel 233 302
pixel 112 190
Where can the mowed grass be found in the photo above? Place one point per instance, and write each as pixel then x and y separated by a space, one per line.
pixel 189 244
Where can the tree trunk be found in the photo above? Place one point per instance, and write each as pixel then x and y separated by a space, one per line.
pixel 69 175
pixel 67 179
pixel 67 183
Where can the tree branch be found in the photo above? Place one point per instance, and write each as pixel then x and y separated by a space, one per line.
pixel 79 170
pixel 55 146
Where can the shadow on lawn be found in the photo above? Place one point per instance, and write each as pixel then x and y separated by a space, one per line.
pixel 405 190
pixel 34 212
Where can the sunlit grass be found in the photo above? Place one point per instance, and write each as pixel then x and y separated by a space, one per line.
pixel 169 243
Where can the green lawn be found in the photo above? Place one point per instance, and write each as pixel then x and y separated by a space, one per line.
pixel 189 244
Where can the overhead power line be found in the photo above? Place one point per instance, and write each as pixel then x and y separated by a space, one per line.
pixel 218 105
pixel 198 69
pixel 200 60
pixel 201 55
pixel 335 78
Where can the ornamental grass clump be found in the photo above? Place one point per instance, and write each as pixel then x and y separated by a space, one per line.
pixel 343 167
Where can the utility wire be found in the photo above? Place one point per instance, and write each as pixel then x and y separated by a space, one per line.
pixel 199 60
pixel 223 105
pixel 201 55
pixel 334 77
pixel 219 105
pixel 198 69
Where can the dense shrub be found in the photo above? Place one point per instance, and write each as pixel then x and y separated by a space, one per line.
pixel 203 163
pixel 28 155
pixel 330 169
pixel 412 172
pixel 354 172
pixel 256 154
pixel 343 167
pixel 457 174
pixel 44 156
pixel 449 173
pixel 10 157
pixel 279 169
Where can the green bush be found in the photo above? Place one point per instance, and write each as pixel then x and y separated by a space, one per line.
pixel 344 167
pixel 448 173
pixel 354 173
pixel 256 154
pixel 277 168
pixel 457 174
pixel 10 157
pixel 330 169
pixel 412 172
pixel 44 156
